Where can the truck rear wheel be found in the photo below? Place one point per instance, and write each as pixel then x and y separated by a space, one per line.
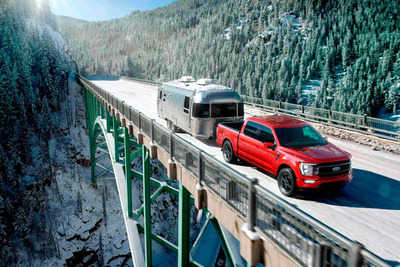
pixel 227 152
pixel 287 182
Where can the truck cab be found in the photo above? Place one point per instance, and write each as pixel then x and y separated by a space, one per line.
pixel 290 149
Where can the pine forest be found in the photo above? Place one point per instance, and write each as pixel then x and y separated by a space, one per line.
pixel 33 73
pixel 342 55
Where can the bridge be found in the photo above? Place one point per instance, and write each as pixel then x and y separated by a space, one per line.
pixel 123 124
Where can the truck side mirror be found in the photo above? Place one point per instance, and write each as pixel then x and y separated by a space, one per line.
pixel 269 145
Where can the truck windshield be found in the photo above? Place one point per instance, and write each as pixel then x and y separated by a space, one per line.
pixel 201 110
pixel 226 110
pixel 299 137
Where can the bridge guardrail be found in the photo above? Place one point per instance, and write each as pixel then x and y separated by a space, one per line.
pixel 306 239
pixel 373 126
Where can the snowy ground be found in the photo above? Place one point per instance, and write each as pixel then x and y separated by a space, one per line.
pixel 86 222
pixel 369 203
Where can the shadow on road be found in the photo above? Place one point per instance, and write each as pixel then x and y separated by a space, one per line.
pixel 209 142
pixel 367 190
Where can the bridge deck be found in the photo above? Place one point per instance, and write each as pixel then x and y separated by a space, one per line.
pixel 368 210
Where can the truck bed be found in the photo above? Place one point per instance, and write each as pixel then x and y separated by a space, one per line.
pixel 235 126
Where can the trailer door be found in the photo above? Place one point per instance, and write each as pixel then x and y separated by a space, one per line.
pixel 190 112
pixel 159 102
pixel 186 110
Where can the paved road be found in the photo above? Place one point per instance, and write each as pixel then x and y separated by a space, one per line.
pixel 367 210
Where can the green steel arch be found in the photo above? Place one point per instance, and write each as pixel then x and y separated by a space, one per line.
pixel 122 149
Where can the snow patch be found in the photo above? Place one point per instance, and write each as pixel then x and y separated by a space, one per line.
pixel 292 19
pixel 253 235
pixel 227 33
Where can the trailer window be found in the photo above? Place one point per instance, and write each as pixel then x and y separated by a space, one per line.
pixel 186 104
pixel 201 110
pixel 160 94
pixel 240 110
pixel 223 110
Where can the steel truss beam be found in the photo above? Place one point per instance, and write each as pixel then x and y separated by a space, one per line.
pixel 125 149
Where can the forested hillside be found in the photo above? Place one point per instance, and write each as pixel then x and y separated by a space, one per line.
pixel 341 54
pixel 33 73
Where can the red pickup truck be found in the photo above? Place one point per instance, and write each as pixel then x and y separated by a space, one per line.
pixel 290 149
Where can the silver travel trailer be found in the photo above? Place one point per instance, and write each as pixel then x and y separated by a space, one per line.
pixel 198 107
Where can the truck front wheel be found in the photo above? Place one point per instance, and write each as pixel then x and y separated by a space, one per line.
pixel 227 151
pixel 287 182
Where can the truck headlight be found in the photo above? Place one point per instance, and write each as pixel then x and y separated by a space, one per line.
pixel 306 169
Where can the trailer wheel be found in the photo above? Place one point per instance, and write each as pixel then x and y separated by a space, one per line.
pixel 287 182
pixel 227 152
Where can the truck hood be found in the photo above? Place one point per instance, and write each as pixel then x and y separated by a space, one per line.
pixel 325 153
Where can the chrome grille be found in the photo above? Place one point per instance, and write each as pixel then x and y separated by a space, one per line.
pixel 331 169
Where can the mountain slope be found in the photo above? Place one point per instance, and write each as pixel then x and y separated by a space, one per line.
pixel 271 49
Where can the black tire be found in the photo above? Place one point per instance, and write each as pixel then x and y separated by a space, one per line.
pixel 227 152
pixel 287 182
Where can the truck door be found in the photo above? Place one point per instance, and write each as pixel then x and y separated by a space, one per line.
pixel 252 148
pixel 248 142
pixel 267 155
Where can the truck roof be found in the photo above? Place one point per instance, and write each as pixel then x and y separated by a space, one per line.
pixel 278 121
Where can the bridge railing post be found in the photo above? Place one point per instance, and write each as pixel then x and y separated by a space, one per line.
pixel 356 259
pixel 251 246
pixel 200 198
pixel 251 220
pixel 321 255
pixel 153 146
pixel 140 133
pixel 171 170
pixel 200 168
pixel 171 142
